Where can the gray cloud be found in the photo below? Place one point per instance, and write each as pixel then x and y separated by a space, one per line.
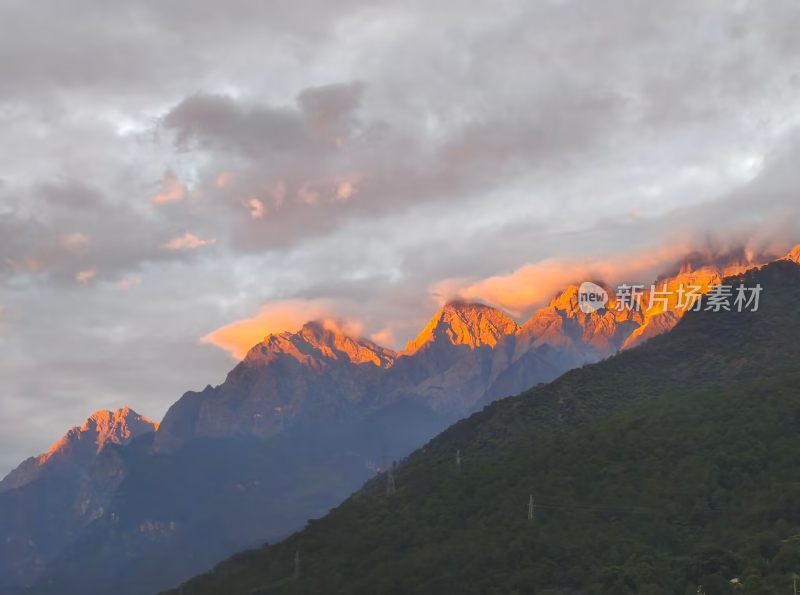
pixel 355 152
pixel 65 227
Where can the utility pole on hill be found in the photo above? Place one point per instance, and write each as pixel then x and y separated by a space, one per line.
pixel 297 564
pixel 458 459
pixel 390 486
pixel 530 508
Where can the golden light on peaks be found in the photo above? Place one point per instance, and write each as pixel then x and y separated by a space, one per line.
pixel 793 254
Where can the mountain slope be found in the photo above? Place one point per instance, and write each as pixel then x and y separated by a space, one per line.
pixel 297 426
pixel 316 373
pixel 463 323
pixel 81 445
pixel 664 468
pixel 557 338
pixel 449 365
pixel 49 499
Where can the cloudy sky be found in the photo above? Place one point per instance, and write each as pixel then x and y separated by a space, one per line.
pixel 169 168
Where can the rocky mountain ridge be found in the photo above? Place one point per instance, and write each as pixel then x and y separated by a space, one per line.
pixel 467 355
pixel 48 500
pixel 78 448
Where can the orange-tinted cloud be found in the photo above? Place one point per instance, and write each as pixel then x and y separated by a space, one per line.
pixel 308 194
pixel 75 242
pixel 384 337
pixel 347 187
pixel 129 282
pixel 534 284
pixel 223 179
pixel 86 275
pixel 187 241
pixel 171 190
pixel 257 208
pixel 237 338
pixel 339 189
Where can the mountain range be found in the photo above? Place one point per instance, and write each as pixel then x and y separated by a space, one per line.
pixel 123 503
pixel 666 469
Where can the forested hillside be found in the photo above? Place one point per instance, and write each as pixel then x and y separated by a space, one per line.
pixel 665 469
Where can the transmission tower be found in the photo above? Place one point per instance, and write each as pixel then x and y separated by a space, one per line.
pixel 390 486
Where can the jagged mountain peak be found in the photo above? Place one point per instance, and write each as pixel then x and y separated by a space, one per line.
pixel 116 427
pixel 562 323
pixel 566 300
pixel 321 339
pixel 464 323
pixel 793 254
pixel 81 444
pixel 320 370
pixel 661 316
pixel 101 428
pixel 332 339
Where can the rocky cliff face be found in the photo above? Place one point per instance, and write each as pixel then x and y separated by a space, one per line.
pixel 462 323
pixel 563 324
pixel 662 309
pixel 557 338
pixel 794 254
pixel 48 500
pixel 79 447
pixel 313 375
pixel 449 364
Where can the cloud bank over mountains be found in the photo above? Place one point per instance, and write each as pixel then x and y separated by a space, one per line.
pixel 168 170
